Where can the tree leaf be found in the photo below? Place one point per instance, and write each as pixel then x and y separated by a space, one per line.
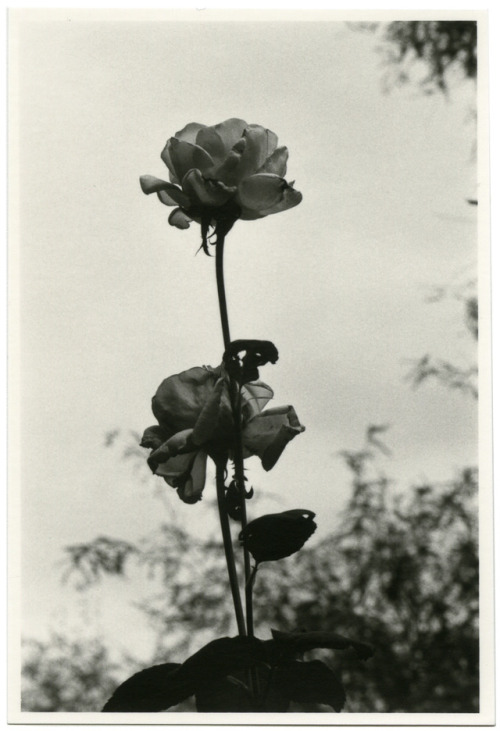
pixel 159 687
pixel 297 642
pixel 278 535
pixel 310 682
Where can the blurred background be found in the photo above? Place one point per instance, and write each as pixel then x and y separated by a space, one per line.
pixel 368 289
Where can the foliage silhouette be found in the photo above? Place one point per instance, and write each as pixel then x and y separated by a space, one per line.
pixel 66 675
pixel 434 54
pixel 400 574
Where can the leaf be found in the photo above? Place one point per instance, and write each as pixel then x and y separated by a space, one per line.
pixel 224 695
pixel 310 682
pixel 278 535
pixel 298 642
pixel 162 686
pixel 232 694
pixel 222 657
pixel 145 691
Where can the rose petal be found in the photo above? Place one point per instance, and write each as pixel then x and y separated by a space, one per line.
pixel 256 145
pixel 261 191
pixel 190 492
pixel 150 184
pixel 228 172
pixel 260 144
pixel 210 418
pixel 248 215
pixel 187 473
pixel 230 131
pixel 268 433
pixel 190 132
pixel 179 399
pixel 166 199
pixel 276 163
pixel 179 443
pixel 168 193
pixel 175 468
pixel 206 192
pixel 211 141
pixel 255 396
pixel 165 156
pixel 184 156
pixel 268 140
pixel 291 198
pixel 153 437
pixel 179 219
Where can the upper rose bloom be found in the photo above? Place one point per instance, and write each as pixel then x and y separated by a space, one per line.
pixel 221 173
pixel 195 418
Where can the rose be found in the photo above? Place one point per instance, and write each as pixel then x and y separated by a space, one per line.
pixel 221 173
pixel 195 420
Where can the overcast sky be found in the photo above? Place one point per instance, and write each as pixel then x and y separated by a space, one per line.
pixel 113 299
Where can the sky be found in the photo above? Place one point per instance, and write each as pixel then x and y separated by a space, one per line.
pixel 111 299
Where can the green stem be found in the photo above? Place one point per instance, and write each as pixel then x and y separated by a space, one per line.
pixel 228 547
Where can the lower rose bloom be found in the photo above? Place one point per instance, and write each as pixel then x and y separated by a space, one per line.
pixel 195 420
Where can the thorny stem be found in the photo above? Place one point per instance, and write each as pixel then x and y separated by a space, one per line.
pixel 239 475
pixel 228 547
pixel 219 273
pixel 235 396
pixel 248 599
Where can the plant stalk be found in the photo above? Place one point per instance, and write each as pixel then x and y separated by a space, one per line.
pixel 221 291
pixel 235 397
pixel 228 547
pixel 248 599
pixel 239 475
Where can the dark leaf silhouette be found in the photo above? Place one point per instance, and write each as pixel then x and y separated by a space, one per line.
pixel 224 695
pixel 298 642
pixel 163 686
pixel 232 694
pixel 310 682
pixel 146 691
pixel 278 535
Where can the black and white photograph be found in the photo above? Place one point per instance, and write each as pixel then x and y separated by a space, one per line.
pixel 250 436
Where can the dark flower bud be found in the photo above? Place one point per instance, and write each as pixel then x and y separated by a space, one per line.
pixel 278 535
pixel 233 500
